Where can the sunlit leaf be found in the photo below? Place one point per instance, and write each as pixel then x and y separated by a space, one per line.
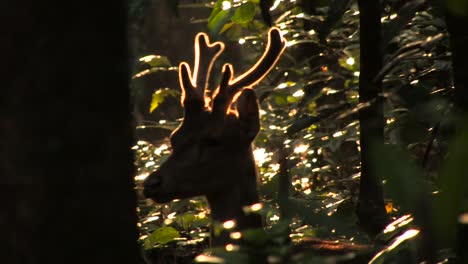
pixel 216 9
pixel 156 61
pixel 404 16
pixel 217 23
pixel 391 253
pixel 226 27
pixel 161 236
pixel 335 12
pixel 159 96
pixel 244 14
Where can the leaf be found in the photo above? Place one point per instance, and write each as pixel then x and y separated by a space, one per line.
pixel 218 21
pixel 161 236
pixel 156 61
pixel 159 96
pixel 393 252
pixel 335 13
pixel 244 14
pixel 405 15
pixel 216 9
pixel 226 27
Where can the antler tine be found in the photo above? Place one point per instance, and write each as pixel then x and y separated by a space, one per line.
pixel 223 94
pixel 228 88
pixel 203 64
pixel 194 85
pixel 275 47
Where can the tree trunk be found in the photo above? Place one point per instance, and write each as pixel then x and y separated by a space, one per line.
pixel 65 160
pixel 458 34
pixel 371 209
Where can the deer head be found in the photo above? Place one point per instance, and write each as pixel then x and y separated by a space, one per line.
pixel 211 149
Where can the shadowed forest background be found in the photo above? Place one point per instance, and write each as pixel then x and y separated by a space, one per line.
pixel 363 140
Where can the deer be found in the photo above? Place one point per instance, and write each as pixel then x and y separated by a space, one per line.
pixel 216 133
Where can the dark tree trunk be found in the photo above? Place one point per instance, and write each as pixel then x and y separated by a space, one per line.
pixel 457 21
pixel 458 34
pixel 371 209
pixel 65 133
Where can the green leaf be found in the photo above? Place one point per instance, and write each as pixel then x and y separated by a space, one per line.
pixel 244 14
pixel 159 96
pixel 226 27
pixel 156 61
pixel 335 14
pixel 161 236
pixel 218 21
pixel 216 9
pixel 280 100
pixel 405 14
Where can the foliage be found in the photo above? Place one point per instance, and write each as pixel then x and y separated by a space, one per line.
pixel 309 106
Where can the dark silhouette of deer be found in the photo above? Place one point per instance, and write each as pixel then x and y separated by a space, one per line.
pixel 211 149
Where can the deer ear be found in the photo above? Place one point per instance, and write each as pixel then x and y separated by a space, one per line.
pixel 247 107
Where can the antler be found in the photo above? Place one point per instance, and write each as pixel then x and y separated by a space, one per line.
pixel 193 86
pixel 228 88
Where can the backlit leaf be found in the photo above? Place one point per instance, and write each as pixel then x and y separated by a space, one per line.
pixel 161 236
pixel 244 14
pixel 159 96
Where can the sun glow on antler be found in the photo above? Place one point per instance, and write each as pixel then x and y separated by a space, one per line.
pixel 190 81
pixel 261 61
pixel 193 84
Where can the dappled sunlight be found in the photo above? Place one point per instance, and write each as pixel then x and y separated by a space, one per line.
pixel 201 215
pixel 402 221
pixel 301 148
pixel 298 93
pixel 151 219
pixel 407 235
pixel 271 171
pixel 171 215
pixel 274 218
pixel 339 134
pixel 141 177
pixel 226 5
pixel 256 207
pixel 229 224
pixel 161 149
pixel 235 235
pixel 209 259
pixel 329 90
pixel 231 247
pixel 261 156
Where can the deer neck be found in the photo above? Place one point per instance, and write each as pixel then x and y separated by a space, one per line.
pixel 228 203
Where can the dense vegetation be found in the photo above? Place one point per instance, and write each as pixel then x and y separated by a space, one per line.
pixel 308 150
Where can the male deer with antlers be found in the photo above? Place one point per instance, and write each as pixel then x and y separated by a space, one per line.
pixel 211 149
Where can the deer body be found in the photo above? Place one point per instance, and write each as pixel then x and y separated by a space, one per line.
pixel 211 149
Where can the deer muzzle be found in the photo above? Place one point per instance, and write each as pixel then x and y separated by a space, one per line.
pixel 152 188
